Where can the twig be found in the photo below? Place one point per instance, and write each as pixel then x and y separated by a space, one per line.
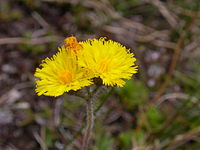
pixel 135 25
pixel 165 12
pixel 39 33
pixel 12 147
pixel 143 148
pixel 58 1
pixel 182 139
pixel 190 48
pixel 40 140
pixel 172 66
pixel 175 96
pixel 34 41
pixel 151 37
pixel 165 44
pixel 101 6
pixel 40 20
pixel 183 11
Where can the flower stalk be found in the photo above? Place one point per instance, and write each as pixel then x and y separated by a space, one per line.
pixel 90 123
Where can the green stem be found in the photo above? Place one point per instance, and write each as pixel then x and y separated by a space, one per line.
pixel 90 123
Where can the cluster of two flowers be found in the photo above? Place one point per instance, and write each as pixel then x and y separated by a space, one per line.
pixel 76 64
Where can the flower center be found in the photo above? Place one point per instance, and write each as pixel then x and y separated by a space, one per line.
pixel 65 77
pixel 71 43
pixel 103 65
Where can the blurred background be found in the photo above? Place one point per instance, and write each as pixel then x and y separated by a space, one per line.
pixel 158 110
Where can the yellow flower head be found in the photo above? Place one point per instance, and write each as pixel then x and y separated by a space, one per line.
pixel 108 60
pixel 60 74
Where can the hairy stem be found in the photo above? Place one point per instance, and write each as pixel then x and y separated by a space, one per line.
pixel 90 123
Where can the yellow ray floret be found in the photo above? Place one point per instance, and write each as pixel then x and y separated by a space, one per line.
pixel 60 74
pixel 108 60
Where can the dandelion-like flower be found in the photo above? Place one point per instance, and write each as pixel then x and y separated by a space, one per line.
pixel 108 60
pixel 61 74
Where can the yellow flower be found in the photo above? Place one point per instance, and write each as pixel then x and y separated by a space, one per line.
pixel 108 60
pixel 60 74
